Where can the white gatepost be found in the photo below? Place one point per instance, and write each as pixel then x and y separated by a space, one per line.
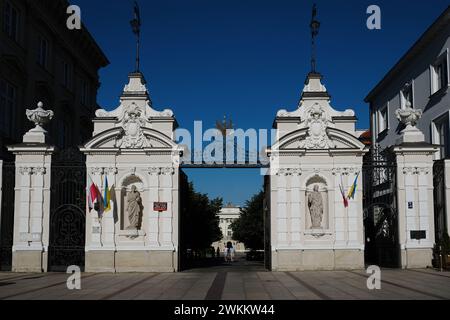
pixel 447 192
pixel 133 147
pixel 414 192
pixel 32 196
pixel 316 155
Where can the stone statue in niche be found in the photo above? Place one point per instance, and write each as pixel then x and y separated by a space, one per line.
pixel 315 205
pixel 134 209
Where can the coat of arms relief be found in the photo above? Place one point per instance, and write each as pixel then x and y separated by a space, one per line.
pixel 317 122
pixel 132 135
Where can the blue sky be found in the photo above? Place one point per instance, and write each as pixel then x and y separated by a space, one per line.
pixel 248 58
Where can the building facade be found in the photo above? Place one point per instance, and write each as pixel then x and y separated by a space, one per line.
pixel 227 216
pixel 419 79
pixel 42 60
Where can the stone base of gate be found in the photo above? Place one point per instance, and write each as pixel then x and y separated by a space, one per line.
pixel 312 259
pixel 34 261
pixel 131 261
pixel 419 258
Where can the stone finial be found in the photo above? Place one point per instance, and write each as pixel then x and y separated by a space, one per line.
pixel 39 117
pixel 410 117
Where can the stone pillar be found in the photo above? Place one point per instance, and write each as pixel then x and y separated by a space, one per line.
pixel 153 216
pixel 414 193
pixel 32 196
pixel 447 192
pixel 166 230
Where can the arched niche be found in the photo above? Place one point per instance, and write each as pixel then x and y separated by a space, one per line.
pixel 125 188
pixel 316 204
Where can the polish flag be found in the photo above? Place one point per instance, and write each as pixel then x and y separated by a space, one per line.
pixel 93 193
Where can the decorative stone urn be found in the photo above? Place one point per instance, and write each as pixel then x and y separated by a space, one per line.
pixel 410 117
pixel 39 117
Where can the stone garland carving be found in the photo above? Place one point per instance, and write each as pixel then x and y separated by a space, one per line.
pixel 345 171
pixel 39 171
pixel 289 172
pixel 132 135
pixel 154 171
pixel 161 171
pixel 96 171
pixel 416 170
pixel 317 124
pixel 103 170
pixel 111 170
pixel 168 171
pixel 32 171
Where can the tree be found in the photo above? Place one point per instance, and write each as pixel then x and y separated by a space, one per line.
pixel 200 222
pixel 249 228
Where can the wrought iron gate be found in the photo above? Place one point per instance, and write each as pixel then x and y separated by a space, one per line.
pixel 440 215
pixel 380 209
pixel 7 216
pixel 67 211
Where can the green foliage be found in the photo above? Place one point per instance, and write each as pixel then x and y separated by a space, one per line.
pixel 200 223
pixel 445 243
pixel 249 228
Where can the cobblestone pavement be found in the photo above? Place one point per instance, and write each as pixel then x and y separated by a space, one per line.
pixel 229 283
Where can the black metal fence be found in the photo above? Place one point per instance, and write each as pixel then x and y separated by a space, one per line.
pixel 440 210
pixel 380 209
pixel 7 215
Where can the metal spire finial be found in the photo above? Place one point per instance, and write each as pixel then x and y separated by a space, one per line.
pixel 315 25
pixel 136 27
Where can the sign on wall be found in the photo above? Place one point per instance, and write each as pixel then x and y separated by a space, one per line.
pixel 160 206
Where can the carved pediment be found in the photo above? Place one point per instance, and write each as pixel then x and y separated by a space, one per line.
pixel 328 139
pixel 116 139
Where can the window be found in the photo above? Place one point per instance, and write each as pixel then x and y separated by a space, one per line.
pixel 439 74
pixel 67 74
pixel 42 57
pixel 8 103
pixel 84 92
pixel 230 233
pixel 406 96
pixel 383 119
pixel 63 134
pixel 11 21
pixel 440 136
